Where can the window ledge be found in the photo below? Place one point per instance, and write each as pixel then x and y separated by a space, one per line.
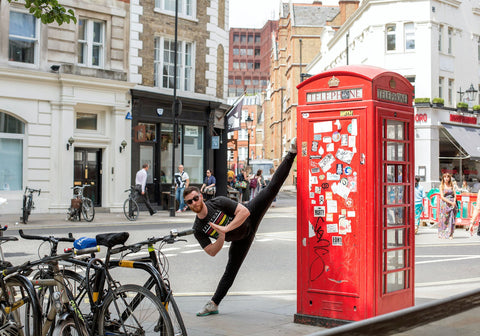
pixel 180 15
pixel 74 69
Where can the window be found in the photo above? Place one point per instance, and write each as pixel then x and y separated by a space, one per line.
pixel 236 51
pixel 243 52
pixel 257 38
pixel 250 65
pixel 440 87
pixel 247 81
pixel 257 65
pixel 250 38
pixel 243 38
pixel 238 81
pixel 242 153
pixel 244 115
pixel 391 38
pixel 165 64
pixel 185 7
pixel 86 121
pixel 255 82
pixel 12 133
pixel 242 134
pixel 236 65
pixel 440 37
pixel 409 36
pixel 236 38
pixel 90 42
pixel 450 40
pixel 478 49
pixel 22 38
pixel 450 91
pixel 243 65
pixel 257 51
pixel 230 81
pixel 250 52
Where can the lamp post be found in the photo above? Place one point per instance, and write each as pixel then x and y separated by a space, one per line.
pixel 471 93
pixel 248 123
pixel 174 112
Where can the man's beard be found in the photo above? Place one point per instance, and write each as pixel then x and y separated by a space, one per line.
pixel 197 208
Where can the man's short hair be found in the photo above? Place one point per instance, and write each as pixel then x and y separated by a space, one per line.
pixel 189 190
pixel 145 165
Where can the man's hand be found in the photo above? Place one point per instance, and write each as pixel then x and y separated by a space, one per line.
pixel 222 230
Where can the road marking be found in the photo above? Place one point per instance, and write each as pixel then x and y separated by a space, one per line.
pixel 444 260
pixel 447 282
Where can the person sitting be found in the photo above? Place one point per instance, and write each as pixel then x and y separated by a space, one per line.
pixel 208 186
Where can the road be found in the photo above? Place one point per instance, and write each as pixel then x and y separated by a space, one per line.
pixel 443 268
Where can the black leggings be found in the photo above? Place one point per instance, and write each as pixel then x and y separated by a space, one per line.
pixel 258 207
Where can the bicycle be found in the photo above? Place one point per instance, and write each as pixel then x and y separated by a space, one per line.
pixel 130 206
pixel 80 205
pixel 161 284
pixel 112 308
pixel 28 204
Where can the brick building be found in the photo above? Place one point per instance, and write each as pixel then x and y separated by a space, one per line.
pixel 297 42
pixel 202 34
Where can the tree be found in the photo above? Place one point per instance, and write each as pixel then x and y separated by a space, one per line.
pixel 49 11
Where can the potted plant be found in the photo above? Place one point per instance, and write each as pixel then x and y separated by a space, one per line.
pixel 422 101
pixel 438 102
pixel 476 108
pixel 463 107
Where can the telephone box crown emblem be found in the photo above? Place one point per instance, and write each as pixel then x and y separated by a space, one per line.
pixel 334 81
pixel 393 84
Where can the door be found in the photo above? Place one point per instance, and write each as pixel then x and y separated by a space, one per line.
pixel 88 170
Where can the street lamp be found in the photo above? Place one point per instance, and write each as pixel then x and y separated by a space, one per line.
pixel 471 93
pixel 248 122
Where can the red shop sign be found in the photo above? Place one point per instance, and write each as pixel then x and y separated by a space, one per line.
pixel 463 119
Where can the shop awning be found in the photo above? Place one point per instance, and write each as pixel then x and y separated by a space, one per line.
pixel 467 137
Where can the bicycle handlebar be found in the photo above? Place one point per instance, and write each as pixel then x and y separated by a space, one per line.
pixel 70 237
pixel 33 190
pixel 169 239
pixel 29 264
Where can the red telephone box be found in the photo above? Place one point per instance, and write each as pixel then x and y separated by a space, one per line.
pixel 355 187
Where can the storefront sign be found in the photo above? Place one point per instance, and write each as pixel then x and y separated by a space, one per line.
pixel 395 97
pixel 421 117
pixel 326 96
pixel 463 119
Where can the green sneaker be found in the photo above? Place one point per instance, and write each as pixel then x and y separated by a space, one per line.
pixel 209 309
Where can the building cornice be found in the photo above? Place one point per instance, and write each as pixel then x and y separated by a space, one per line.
pixel 453 3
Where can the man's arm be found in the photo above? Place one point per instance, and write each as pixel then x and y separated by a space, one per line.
pixel 241 214
pixel 214 248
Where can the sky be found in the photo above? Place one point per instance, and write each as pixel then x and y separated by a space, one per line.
pixel 255 13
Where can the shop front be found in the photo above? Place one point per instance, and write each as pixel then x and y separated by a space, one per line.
pixel 153 135
pixel 447 142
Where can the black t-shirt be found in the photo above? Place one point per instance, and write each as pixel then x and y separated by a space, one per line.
pixel 221 212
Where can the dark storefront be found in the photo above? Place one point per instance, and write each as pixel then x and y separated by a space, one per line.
pixel 152 141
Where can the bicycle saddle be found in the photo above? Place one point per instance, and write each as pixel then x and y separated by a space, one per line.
pixel 111 239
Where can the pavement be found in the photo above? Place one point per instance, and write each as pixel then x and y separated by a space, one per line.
pixel 271 313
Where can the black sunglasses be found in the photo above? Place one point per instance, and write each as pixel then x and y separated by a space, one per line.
pixel 194 199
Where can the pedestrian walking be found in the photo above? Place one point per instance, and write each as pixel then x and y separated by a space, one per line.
pixel 448 208
pixel 223 219
pixel 419 196
pixel 473 220
pixel 141 187
pixel 181 182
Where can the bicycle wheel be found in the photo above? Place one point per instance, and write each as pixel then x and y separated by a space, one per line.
pixel 88 210
pixel 178 326
pixel 67 327
pixel 27 204
pixel 23 315
pixel 133 310
pixel 131 209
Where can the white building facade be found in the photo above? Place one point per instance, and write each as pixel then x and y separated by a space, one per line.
pixel 434 44
pixel 64 97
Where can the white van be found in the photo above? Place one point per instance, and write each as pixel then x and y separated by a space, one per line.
pixel 264 165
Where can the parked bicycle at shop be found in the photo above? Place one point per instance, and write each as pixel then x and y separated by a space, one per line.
pixel 130 206
pixel 80 205
pixel 28 203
